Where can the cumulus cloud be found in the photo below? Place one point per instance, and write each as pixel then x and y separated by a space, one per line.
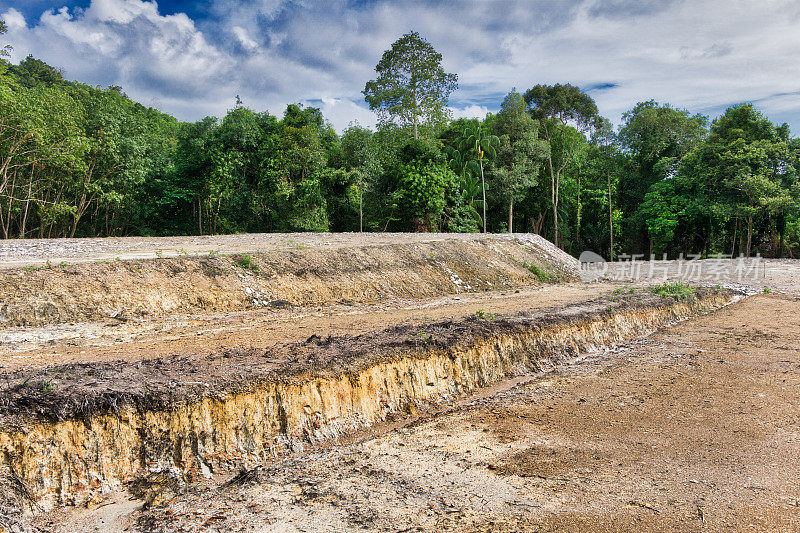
pixel 472 111
pixel 703 55
pixel 14 20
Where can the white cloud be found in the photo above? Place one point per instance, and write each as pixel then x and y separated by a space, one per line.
pixel 342 112
pixel 702 54
pixel 244 38
pixel 472 111
pixel 14 20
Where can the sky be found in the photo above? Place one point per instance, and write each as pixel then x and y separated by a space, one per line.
pixel 192 59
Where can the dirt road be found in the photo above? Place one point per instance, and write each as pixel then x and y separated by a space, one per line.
pixel 15 253
pixel 691 429
pixel 205 334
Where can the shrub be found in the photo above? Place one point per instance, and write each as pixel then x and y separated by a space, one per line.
pixel 676 289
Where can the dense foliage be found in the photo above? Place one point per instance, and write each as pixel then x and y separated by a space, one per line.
pixel 77 160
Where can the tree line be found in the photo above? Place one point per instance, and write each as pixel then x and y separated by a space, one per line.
pixel 77 160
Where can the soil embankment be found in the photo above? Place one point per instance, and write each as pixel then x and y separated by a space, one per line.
pixel 73 432
pixel 273 278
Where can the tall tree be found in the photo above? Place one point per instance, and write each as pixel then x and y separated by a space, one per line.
pixel 652 132
pixel 559 107
pixel 480 145
pixel 520 152
pixel 412 86
pixel 361 156
pixel 5 51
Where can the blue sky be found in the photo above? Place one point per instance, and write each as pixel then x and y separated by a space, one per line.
pixel 192 58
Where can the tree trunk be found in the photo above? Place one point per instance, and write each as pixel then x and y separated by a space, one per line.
pixel 416 112
pixel 483 186
pixel 610 221
pixel 27 204
pixel 749 234
pixel 578 221
pixel 511 215
pixel 554 200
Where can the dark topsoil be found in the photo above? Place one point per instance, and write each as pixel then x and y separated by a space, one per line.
pixel 80 390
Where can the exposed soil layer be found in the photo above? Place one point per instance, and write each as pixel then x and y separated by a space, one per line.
pixel 73 432
pixel 199 334
pixel 461 389
pixel 691 429
pixel 275 278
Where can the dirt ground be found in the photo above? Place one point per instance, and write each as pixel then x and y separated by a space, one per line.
pixel 198 335
pixel 15 253
pixel 691 429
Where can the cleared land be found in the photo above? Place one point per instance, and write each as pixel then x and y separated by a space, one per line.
pixel 691 429
pixel 523 418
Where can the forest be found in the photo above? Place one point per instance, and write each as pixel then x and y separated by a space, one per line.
pixel 78 160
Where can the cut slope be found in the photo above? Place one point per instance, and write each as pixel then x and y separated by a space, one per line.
pixel 70 433
pixel 130 289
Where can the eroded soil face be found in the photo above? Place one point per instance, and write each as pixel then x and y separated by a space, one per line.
pixel 691 429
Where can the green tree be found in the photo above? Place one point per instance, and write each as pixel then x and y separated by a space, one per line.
pixel 519 154
pixel 560 108
pixel 650 133
pixel 604 164
pixel 423 192
pixel 5 51
pixel 412 86
pixel 362 157
pixel 468 202
pixel 479 145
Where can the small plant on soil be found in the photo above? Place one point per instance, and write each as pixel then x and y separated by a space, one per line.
pixel 213 254
pixel 543 275
pixel 676 289
pixel 767 290
pixel 246 262
pixel 619 292
pixel 483 315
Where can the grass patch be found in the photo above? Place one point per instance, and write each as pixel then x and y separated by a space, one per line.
pixel 676 289
pixel 545 276
pixel 622 290
pixel 480 314
pixel 247 262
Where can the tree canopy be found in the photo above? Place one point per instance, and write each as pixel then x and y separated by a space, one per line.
pixel 412 86
pixel 77 160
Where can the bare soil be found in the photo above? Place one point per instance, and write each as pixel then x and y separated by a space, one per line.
pixel 82 388
pixel 691 429
pixel 16 253
pixel 212 333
